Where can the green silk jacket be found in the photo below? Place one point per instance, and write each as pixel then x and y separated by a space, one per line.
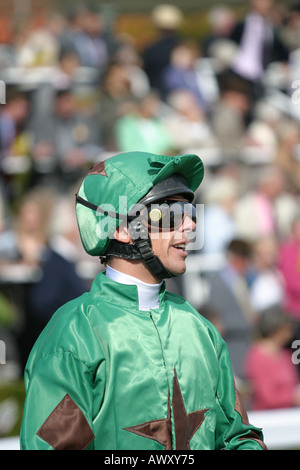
pixel 106 375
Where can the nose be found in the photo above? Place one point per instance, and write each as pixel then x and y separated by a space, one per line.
pixel 188 224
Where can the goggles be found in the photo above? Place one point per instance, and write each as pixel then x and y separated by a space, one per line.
pixel 167 215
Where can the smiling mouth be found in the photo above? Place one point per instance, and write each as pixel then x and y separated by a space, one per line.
pixel 181 247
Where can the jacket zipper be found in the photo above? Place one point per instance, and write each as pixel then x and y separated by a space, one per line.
pixel 161 347
pixel 164 363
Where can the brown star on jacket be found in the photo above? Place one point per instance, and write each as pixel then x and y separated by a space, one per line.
pixel 186 425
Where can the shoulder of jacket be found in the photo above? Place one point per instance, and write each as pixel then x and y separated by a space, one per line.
pixel 68 329
pixel 185 305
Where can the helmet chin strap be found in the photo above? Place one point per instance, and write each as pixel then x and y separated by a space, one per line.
pixel 140 249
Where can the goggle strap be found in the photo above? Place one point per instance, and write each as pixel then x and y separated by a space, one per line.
pixel 92 206
pixel 121 250
pixel 144 246
pixel 141 249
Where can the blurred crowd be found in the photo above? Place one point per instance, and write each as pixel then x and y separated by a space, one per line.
pixel 78 92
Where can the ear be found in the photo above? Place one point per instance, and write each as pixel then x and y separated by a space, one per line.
pixel 122 234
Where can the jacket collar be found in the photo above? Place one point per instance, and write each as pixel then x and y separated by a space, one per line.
pixel 116 293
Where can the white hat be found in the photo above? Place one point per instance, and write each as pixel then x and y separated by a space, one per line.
pixel 167 16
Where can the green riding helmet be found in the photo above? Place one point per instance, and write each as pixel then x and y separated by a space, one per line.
pixel 112 190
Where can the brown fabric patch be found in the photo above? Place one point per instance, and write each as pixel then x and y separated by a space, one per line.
pixel 158 430
pixel 185 424
pixel 252 435
pixel 239 407
pixel 66 428
pixel 98 169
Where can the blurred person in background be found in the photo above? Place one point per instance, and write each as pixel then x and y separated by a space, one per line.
pixel 220 199
pixel 8 320
pixel 115 93
pixel 67 137
pixel 272 376
pixel 89 39
pixel 167 20
pixel 267 286
pixel 260 205
pixel 222 20
pixel 8 327
pixel 39 47
pixel 182 72
pixel 25 239
pixel 261 136
pixel 128 55
pixel 62 76
pixel 288 153
pixel 64 236
pixel 291 29
pixel 228 116
pixel 260 143
pixel 15 143
pixel 229 297
pixel 13 116
pixel 143 127
pixel 289 265
pixel 187 123
pixel 52 278
pixel 259 43
pixel 65 72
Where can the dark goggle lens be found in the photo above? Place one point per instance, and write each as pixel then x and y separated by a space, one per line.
pixel 170 215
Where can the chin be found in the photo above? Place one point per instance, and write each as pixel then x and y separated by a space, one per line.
pixel 178 271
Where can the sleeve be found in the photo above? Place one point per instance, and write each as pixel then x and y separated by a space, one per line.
pixel 58 407
pixel 234 432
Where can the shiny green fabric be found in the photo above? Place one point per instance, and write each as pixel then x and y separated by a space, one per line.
pixel 117 363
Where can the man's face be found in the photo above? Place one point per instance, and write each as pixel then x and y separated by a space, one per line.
pixel 263 7
pixel 171 246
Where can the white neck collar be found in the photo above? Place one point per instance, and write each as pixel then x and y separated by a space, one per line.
pixel 148 294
